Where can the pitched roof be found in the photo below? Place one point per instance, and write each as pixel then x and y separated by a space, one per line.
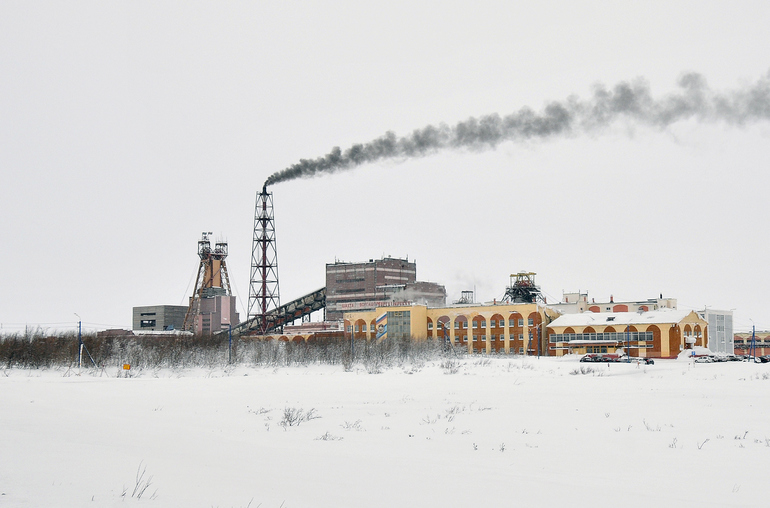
pixel 620 318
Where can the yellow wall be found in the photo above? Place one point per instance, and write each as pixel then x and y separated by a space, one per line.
pixel 667 329
pixel 420 315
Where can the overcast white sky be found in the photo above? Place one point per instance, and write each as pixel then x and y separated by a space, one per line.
pixel 128 128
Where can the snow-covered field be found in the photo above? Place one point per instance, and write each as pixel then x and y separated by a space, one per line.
pixel 498 432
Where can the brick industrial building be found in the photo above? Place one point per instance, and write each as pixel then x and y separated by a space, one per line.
pixel 378 282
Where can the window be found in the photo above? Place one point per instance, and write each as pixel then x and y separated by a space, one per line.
pixel 530 322
pixel 371 328
pixel 475 324
pixel 521 350
pixel 430 326
pixel 521 336
pixel 493 323
pixel 457 325
pixel 483 323
pixel 521 323
pixel 399 324
pixel 147 323
pixel 511 322
pixel 356 329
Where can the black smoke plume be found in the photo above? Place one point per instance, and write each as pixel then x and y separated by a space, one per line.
pixel 630 100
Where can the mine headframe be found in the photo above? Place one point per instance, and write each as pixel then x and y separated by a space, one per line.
pixel 523 289
pixel 212 279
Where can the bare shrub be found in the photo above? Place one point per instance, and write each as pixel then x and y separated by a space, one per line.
pixel 356 425
pixel 450 366
pixel 141 484
pixel 649 427
pixel 328 437
pixel 293 417
pixel 37 348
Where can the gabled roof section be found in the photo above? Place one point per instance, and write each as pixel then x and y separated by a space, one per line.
pixel 623 318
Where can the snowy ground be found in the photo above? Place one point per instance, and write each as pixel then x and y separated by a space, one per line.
pixel 498 432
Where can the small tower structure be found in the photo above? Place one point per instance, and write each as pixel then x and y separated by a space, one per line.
pixel 212 306
pixel 264 295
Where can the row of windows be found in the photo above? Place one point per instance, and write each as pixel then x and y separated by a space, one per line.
pixel 498 350
pixel 482 338
pixel 603 349
pixel 458 325
pixel 610 337
pixel 493 324
pixel 476 338
pixel 362 328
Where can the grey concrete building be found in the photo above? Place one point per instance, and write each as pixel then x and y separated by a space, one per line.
pixel 158 317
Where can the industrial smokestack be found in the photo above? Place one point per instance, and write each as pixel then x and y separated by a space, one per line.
pixel 574 115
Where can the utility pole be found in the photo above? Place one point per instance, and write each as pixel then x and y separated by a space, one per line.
pixel 628 345
pixel 80 341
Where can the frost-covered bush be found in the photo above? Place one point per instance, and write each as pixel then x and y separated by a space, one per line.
pixel 38 349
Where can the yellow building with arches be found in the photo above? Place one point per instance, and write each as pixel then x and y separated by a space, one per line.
pixel 509 328
pixel 660 333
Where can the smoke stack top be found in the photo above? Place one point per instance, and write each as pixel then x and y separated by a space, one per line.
pixel 630 100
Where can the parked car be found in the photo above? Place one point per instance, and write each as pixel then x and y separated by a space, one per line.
pixel 614 358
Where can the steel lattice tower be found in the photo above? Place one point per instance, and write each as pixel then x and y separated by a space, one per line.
pixel 263 287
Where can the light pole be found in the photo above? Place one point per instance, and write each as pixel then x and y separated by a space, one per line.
pixel 628 344
pixel 80 341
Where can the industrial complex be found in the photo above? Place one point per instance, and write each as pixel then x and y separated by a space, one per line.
pixel 382 299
